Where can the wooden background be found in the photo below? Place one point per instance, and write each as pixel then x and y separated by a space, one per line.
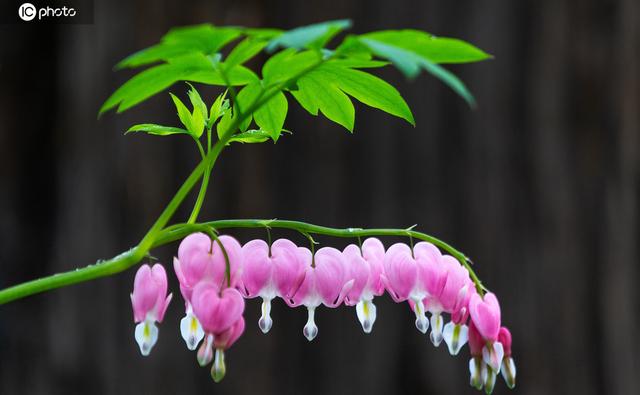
pixel 539 185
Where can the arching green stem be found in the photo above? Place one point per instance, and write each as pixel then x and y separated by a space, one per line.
pixel 179 231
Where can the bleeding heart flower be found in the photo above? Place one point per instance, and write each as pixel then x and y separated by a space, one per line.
pixel 216 310
pixel 149 301
pixel 508 369
pixel 454 299
pixel 405 276
pixel 365 267
pixel 220 313
pixel 477 367
pixel 222 342
pixel 325 282
pixel 485 316
pixel 270 272
pixel 485 313
pixel 199 259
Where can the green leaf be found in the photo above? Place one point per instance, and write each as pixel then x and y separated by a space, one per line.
pixel 410 63
pixel 435 49
pixel 183 112
pixel 197 122
pixel 218 109
pixel 143 86
pixel 224 124
pixel 244 100
pixel 311 36
pixel 286 64
pixel 245 50
pixel 252 136
pixel 157 130
pixel 196 101
pixel 352 48
pixel 358 63
pixel 271 116
pixel 316 94
pixel 205 39
pixel 367 88
pixel 193 67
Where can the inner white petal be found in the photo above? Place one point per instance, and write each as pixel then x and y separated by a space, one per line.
pixel 191 330
pixel 205 353
pixel 146 335
pixel 310 330
pixel 366 312
pixel 436 329
pixel 508 371
pixel 219 369
pixel 265 322
pixel 422 323
pixel 477 372
pixel 492 355
pixel 455 336
pixel 489 380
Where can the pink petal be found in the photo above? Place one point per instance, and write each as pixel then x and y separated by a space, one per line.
pixel 504 337
pixel 485 315
pixel 373 252
pixel 162 308
pixel 226 339
pixel 288 268
pixel 307 283
pixel 401 270
pixel 434 272
pixel 455 281
pixel 329 274
pixel 476 343
pixel 359 271
pixel 257 267
pixel 216 311
pixel 234 253
pixel 145 293
pixel 195 242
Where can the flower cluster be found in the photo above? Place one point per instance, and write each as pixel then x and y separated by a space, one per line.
pixel 216 276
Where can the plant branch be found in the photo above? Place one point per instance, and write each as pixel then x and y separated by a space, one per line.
pixel 179 231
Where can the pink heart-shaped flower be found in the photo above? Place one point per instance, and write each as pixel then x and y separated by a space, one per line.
pixel 217 311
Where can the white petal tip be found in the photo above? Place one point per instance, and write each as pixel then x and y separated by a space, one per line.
pixel 265 324
pixel 205 353
pixel 455 336
pixel 422 323
pixel 493 355
pixel 219 369
pixel 366 312
pixel 436 339
pixel 436 329
pixel 489 381
pixel 508 371
pixel 191 331
pixel 146 334
pixel 310 332
pixel 477 373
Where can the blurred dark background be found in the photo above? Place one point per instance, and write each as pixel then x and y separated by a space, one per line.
pixel 539 185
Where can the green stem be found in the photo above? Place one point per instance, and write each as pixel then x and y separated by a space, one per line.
pixel 179 231
pixel 200 149
pixel 201 194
